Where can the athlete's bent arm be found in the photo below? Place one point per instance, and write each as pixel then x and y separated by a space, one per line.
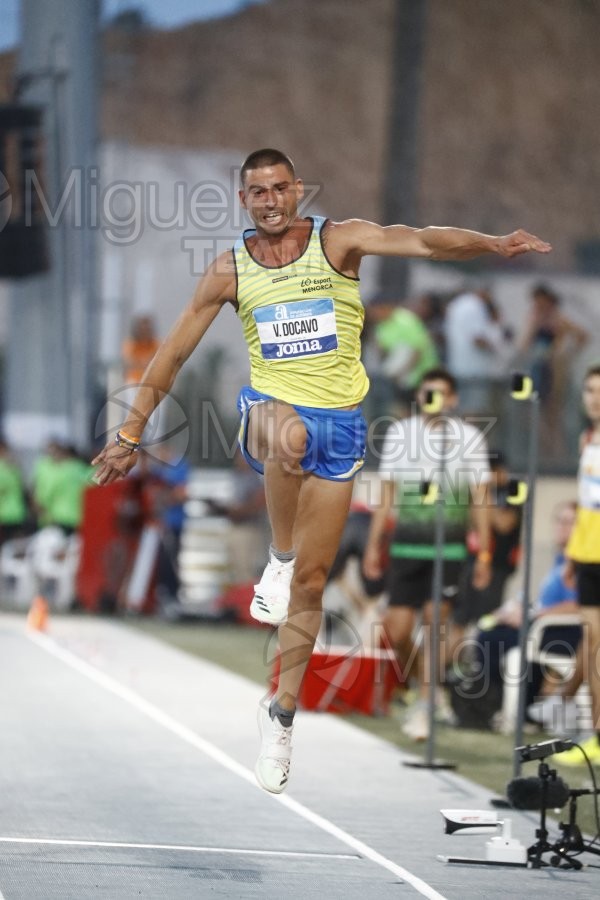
pixel 216 288
pixel 367 238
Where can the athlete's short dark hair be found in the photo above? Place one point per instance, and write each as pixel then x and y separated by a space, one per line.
pixel 266 157
pixel 440 374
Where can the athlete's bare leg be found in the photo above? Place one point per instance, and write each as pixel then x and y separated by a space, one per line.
pixel 307 514
pixel 321 515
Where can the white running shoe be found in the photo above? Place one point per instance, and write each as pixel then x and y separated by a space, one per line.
pixel 416 724
pixel 272 594
pixel 272 768
pixel 554 713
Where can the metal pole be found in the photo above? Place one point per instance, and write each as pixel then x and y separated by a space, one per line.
pixel 527 556
pixel 437 586
pixel 400 178
pixel 436 599
pixel 50 356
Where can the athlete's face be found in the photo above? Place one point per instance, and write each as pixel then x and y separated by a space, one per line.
pixel 591 398
pixel 271 196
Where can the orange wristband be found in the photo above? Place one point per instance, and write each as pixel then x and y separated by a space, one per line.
pixel 132 440
pixel 484 556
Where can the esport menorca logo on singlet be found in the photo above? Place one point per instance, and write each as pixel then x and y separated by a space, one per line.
pixel 295 329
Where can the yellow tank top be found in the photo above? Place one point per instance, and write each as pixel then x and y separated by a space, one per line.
pixel 302 323
pixel 584 544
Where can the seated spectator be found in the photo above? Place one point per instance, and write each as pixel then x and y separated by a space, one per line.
pixel 499 631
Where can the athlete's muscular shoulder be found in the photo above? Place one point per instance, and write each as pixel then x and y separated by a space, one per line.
pixel 348 241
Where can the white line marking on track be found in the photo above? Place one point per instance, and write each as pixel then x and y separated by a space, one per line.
pixel 186 848
pixel 219 756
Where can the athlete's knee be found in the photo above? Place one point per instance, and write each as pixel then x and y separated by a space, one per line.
pixel 308 585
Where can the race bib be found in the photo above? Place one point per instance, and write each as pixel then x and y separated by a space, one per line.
pixel 299 328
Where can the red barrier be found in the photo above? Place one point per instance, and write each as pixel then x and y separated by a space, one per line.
pixel 347 679
pixel 112 521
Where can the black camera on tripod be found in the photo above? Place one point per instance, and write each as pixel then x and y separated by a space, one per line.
pixel 547 791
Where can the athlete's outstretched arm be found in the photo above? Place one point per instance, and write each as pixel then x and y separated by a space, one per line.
pixel 216 287
pixel 367 238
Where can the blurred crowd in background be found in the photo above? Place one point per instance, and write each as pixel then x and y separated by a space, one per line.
pixel 466 333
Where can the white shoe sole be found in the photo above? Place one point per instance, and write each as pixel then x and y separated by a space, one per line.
pixel 262 616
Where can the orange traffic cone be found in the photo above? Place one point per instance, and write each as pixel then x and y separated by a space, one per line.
pixel 37 617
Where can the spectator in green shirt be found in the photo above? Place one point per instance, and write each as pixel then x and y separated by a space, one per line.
pixel 408 349
pixel 13 506
pixel 59 481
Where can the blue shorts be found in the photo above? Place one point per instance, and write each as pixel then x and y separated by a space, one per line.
pixel 336 439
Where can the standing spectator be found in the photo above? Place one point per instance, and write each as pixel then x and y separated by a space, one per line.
pixel 583 553
pixel 412 454
pixel 167 475
pixel 475 349
pixel 137 352
pixel 13 506
pixel 404 351
pixel 59 481
pixel 405 344
pixel 549 342
pixel 505 523
pixel 430 308
pixel 139 348
pixel 45 473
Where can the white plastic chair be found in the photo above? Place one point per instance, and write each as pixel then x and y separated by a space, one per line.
pixel 562 663
pixel 54 559
pixel 17 579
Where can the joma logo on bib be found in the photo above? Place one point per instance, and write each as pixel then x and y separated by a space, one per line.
pixel 298 348
pixel 281 324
